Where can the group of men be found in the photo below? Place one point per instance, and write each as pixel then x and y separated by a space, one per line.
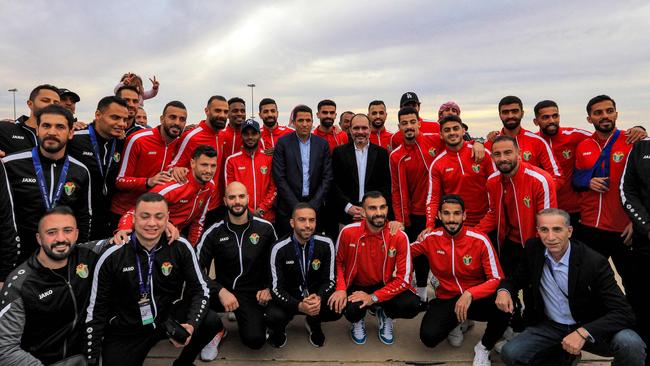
pixel 176 224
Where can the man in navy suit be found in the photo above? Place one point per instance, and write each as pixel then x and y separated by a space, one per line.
pixel 301 169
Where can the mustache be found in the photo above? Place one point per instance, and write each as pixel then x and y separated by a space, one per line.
pixel 605 120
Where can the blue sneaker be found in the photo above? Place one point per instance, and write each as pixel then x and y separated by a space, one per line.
pixel 385 328
pixel 358 332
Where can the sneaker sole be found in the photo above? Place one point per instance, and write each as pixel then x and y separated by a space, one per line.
pixel 309 335
pixel 382 340
pixel 355 341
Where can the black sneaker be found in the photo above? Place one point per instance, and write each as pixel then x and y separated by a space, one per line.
pixel 278 339
pixel 316 336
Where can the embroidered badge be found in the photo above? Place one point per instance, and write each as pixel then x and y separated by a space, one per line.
pixel 116 157
pixel 618 156
pixel 315 264
pixel 82 270
pixel 467 259
pixel 432 151
pixel 68 188
pixel 166 268
pixel 392 252
pixel 566 154
pixel 254 238
pixel 527 155
pixel 476 168
pixel 264 169
pixel 527 201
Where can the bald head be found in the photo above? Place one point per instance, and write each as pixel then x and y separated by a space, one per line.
pixel 236 200
pixel 360 130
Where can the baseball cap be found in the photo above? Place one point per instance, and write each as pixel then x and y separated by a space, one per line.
pixel 408 97
pixel 64 92
pixel 250 123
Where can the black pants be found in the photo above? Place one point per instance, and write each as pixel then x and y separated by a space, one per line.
pixel 250 318
pixel 440 319
pixel 509 256
pixel 636 285
pixel 126 348
pixel 405 305
pixel 278 316
pixel 609 244
pixel 420 263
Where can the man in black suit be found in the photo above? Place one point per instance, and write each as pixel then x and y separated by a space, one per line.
pixel 358 167
pixel 571 299
pixel 302 169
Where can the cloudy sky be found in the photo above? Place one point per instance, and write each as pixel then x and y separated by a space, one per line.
pixel 473 52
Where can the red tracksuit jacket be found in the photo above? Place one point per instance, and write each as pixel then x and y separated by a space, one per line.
pixel 334 138
pixel 231 140
pixel 145 154
pixel 426 127
pixel 396 259
pixel 381 138
pixel 463 262
pixel 457 173
pixel 518 198
pixel 270 136
pixel 254 172
pixel 409 171
pixel 604 210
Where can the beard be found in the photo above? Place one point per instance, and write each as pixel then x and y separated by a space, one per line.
pixel 506 167
pixel 270 121
pixel 600 128
pixel 452 232
pixel 377 221
pixel 551 129
pixel 51 148
pixel 378 123
pixel 168 131
pixel 217 123
pixel 512 123
pixel 232 210
pixel 57 256
pixel 327 122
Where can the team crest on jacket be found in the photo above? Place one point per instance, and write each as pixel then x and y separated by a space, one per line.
pixel 82 270
pixel 566 154
pixel 68 188
pixel 432 151
pixel 527 155
pixel 618 156
pixel 166 268
pixel 476 168
pixel 264 169
pixel 392 252
pixel 467 259
pixel 116 157
pixel 527 201
pixel 315 264
pixel 254 238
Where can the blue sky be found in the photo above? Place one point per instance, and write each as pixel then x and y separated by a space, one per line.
pixel 473 52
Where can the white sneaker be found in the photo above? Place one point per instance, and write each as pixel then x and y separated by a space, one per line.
pixel 481 355
pixel 386 335
pixel 455 337
pixel 211 350
pixel 358 332
pixel 422 293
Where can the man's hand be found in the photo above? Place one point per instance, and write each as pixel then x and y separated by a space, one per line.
pixel 78 125
pixel 338 300
pixel 492 135
pixel 573 342
pixel 627 234
pixel 310 305
pixel 635 134
pixel 172 232
pixel 2 284
pixel 179 174
pixel 504 302
pixel 355 211
pixel 478 151
pixel 599 184
pixel 2 154
pixel 360 296
pixel 424 233
pixel 394 227
pixel 228 300
pixel 263 296
pixel 160 178
pixel 462 305
pixel 154 82
pixel 190 330
pixel 121 237
pixel 269 151
pixel 259 212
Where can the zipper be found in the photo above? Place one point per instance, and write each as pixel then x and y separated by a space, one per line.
pixel 254 182
pixel 74 304
pixel 460 163
pixel 164 158
pixel 52 182
pixel 239 246
pixel 453 264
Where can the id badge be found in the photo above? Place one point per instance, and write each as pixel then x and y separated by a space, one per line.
pixel 145 311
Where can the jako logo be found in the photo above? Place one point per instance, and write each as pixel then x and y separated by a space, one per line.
pixel 128 269
pixel 17 137
pixel 29 180
pixel 87 153
pixel 45 294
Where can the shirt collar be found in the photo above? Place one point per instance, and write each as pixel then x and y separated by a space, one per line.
pixel 565 258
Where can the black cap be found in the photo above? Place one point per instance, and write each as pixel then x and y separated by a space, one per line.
pixel 408 97
pixel 63 92
pixel 250 123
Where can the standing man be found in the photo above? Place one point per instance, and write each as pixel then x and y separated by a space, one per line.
pixel 271 131
pixel 252 168
pixel 572 300
pixel 410 99
pixel 467 267
pixel 301 169
pixel 230 137
pixel 326 115
pixel 99 148
pixel 302 279
pixel 635 196
pixel 135 291
pixel 373 268
pixel 9 240
pixel 358 167
pixel 379 135
pixel 344 121
pixel 21 135
pixel 240 247
pixel 131 96
pixel 45 177
pixel 146 157
pixel 69 100
pixel 141 118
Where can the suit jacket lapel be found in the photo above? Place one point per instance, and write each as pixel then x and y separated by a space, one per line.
pixel 296 150
pixel 352 163
pixel 574 267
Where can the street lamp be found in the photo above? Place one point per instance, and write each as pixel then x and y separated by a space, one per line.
pixel 14 90
pixel 252 86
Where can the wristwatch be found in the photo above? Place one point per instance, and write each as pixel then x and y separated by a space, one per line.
pixel 374 298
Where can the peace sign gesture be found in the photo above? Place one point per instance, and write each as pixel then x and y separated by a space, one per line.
pixel 155 82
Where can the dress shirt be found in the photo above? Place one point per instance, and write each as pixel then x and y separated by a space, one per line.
pixel 555 288
pixel 305 147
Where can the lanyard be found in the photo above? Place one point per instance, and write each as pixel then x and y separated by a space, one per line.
pixel 100 161
pixel 550 269
pixel 42 185
pixel 144 284
pixel 304 265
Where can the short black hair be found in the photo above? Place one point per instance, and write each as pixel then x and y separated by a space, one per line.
pixel 58 110
pixel 502 138
pixel 343 115
pixel 451 118
pixel 372 194
pixel 236 100
pixel 301 206
pixel 376 102
pixel 57 210
pixel 407 110
pixel 266 101
pixel 206 150
pixel 301 108
pixel 174 103
pixel 216 97
pixel 598 99
pixel 108 100
pixel 38 89
pixel 451 198
pixel 544 104
pixel 325 102
pixel 510 99
pixel 132 88
pixel 151 197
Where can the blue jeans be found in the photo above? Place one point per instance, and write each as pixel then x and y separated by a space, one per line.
pixel 529 347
